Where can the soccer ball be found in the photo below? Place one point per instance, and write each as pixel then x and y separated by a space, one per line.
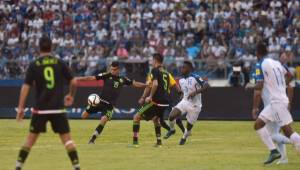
pixel 93 99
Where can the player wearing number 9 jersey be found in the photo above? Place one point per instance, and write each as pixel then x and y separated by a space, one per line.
pixel 47 75
pixel 157 101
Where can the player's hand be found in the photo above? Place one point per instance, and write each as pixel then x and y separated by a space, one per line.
pixel 68 100
pixel 141 101
pixel 148 99
pixel 192 95
pixel 249 86
pixel 20 115
pixel 290 106
pixel 254 113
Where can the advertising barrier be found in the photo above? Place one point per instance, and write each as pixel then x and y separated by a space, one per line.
pixel 219 103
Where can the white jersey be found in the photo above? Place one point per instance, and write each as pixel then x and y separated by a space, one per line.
pixel 191 84
pixel 272 73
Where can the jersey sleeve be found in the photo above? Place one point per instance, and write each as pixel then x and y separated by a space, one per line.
pixel 29 77
pixel 127 81
pixel 199 80
pixel 172 80
pixel 67 72
pixel 258 72
pixel 102 76
pixel 154 74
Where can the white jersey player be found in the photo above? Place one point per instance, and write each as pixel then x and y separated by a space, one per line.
pixel 270 74
pixel 192 86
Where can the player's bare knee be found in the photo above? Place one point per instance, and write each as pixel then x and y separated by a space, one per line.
pixel 137 117
pixel 259 124
pixel 287 130
pixel 69 144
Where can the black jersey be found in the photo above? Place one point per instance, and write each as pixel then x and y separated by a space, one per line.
pixel 112 86
pixel 48 74
pixel 163 79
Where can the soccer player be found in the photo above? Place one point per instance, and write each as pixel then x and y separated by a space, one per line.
pixel 161 118
pixel 273 127
pixel 156 102
pixel 271 75
pixel 47 75
pixel 113 84
pixel 192 86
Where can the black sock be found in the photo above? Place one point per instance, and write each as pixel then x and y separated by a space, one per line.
pixel 74 157
pixel 98 131
pixel 135 129
pixel 158 133
pixel 164 124
pixel 189 126
pixel 180 124
pixel 24 151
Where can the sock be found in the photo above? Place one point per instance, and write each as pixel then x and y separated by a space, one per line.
pixel 136 129
pixel 74 158
pixel 279 138
pixel 97 132
pixel 158 133
pixel 295 138
pixel 171 124
pixel 180 125
pixel 187 131
pixel 164 124
pixel 266 138
pixel 24 151
pixel 282 150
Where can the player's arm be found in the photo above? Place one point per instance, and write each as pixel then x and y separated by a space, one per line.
pixel 22 100
pixel 69 98
pixel 29 79
pixel 154 84
pixel 203 84
pixel 290 90
pixel 145 94
pixel 256 103
pixel 101 76
pixel 138 84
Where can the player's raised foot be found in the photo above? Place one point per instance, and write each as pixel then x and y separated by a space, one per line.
pixel 272 157
pixel 282 161
pixel 182 141
pixel 169 134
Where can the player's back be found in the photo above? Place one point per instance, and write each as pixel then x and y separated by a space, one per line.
pixel 48 74
pixel 163 79
pixel 274 80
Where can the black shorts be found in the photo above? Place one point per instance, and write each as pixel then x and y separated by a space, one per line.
pixel 59 123
pixel 150 110
pixel 104 108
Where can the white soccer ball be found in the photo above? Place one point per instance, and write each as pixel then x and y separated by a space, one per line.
pixel 93 99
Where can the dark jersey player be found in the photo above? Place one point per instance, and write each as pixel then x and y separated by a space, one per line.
pixel 157 101
pixel 113 84
pixel 47 75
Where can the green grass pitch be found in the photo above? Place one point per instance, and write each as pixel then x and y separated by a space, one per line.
pixel 214 145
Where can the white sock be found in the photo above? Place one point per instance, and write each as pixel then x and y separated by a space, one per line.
pixel 96 133
pixel 282 150
pixel 266 138
pixel 186 134
pixel 19 164
pixel 172 124
pixel 279 138
pixel 295 138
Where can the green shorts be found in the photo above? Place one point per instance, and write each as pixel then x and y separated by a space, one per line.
pixel 105 109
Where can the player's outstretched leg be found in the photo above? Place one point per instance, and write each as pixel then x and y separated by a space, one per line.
pixel 157 128
pixel 99 129
pixel 24 151
pixel 294 136
pixel 71 149
pixel 263 133
pixel 186 134
pixel 163 123
pixel 173 115
pixel 281 140
pixel 136 129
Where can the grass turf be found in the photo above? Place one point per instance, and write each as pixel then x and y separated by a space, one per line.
pixel 214 145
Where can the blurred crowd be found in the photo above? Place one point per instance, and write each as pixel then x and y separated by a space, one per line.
pixel 87 32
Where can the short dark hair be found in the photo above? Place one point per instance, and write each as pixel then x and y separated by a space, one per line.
pixel 45 44
pixel 158 57
pixel 189 63
pixel 115 64
pixel 261 49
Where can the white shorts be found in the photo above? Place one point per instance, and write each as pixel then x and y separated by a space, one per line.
pixel 192 110
pixel 276 112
